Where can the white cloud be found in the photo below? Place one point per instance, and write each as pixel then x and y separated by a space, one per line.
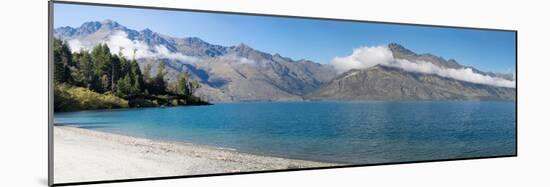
pixel 364 57
pixel 367 57
pixel 233 58
pixel 163 52
pixel 76 45
pixel 120 43
pixel 464 74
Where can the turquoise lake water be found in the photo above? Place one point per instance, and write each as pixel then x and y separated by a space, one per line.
pixel 341 132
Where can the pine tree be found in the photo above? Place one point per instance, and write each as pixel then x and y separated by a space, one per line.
pixel 86 68
pixel 62 62
pixel 137 76
pixel 104 82
pixel 158 84
pixel 124 88
pixel 193 86
pixel 101 57
pixel 182 85
pixel 147 78
pixel 115 71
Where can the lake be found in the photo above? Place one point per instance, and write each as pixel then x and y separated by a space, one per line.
pixel 342 132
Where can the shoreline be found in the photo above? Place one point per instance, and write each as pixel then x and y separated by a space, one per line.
pixel 86 155
pixel 285 101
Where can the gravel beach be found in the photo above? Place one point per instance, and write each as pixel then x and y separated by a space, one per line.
pixel 86 155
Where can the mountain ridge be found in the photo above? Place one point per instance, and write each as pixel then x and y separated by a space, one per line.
pixel 233 73
pixel 400 52
pixel 239 72
pixel 390 83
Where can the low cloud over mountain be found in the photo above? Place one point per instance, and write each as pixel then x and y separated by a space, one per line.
pixel 119 42
pixel 366 57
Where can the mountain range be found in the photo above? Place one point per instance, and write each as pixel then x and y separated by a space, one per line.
pixel 242 73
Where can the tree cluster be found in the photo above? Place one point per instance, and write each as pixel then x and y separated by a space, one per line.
pixel 102 72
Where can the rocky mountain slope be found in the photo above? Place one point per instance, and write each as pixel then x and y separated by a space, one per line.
pixel 400 52
pixel 390 83
pixel 242 73
pixel 235 73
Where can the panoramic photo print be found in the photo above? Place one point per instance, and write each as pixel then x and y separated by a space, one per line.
pixel 146 93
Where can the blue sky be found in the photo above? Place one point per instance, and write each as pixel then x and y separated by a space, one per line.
pixel 316 40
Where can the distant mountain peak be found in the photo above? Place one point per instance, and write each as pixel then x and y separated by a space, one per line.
pixel 243 46
pixel 90 27
pixel 391 83
pixel 279 56
pixel 243 49
pixel 147 30
pixel 91 23
pixel 96 25
pixel 395 47
pixel 453 62
pixel 109 22
pixel 400 52
pixel 194 40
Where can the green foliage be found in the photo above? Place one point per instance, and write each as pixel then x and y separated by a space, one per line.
pixel 70 98
pixel 115 71
pixel 182 85
pixel 97 79
pixel 186 86
pixel 193 86
pixel 86 69
pixel 124 87
pixel 137 76
pixel 131 83
pixel 157 85
pixel 62 61
pixel 101 57
pixel 147 72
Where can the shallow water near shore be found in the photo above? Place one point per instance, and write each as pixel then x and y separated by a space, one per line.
pixel 339 132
